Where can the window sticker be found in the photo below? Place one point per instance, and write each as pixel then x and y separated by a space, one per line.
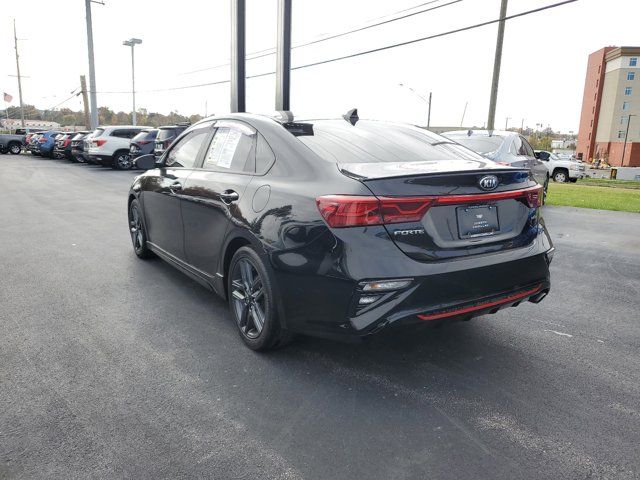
pixel 229 148
pixel 216 146
pixel 223 147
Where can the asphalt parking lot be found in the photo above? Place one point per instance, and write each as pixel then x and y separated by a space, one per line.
pixel 115 367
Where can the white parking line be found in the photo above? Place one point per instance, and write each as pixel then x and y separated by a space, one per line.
pixel 559 333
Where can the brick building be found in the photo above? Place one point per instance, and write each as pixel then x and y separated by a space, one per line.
pixel 611 107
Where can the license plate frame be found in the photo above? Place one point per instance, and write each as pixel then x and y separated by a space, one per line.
pixel 476 221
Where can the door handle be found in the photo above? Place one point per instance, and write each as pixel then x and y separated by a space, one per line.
pixel 175 187
pixel 229 196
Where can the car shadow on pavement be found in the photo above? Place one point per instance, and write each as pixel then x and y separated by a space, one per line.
pixel 470 349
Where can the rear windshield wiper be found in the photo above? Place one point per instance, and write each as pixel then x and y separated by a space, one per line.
pixel 443 142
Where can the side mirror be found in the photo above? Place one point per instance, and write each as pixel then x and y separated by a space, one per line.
pixel 146 162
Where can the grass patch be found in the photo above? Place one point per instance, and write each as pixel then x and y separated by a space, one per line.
pixel 605 182
pixel 600 197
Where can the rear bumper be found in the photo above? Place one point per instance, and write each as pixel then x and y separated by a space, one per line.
pixel 62 153
pixel 329 307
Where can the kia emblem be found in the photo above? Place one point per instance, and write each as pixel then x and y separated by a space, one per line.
pixel 488 182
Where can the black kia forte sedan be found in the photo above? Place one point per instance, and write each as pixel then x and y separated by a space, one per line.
pixel 340 228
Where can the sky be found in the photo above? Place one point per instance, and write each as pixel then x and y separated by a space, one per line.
pixel 542 75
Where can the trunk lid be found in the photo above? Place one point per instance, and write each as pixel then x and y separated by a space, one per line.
pixel 454 209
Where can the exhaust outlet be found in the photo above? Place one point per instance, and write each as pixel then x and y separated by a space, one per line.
pixel 537 298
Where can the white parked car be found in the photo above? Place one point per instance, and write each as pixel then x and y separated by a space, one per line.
pixel 561 169
pixel 109 146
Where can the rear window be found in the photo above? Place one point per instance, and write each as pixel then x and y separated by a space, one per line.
pixel 165 134
pixel 481 144
pixel 77 136
pixel 97 132
pixel 145 136
pixel 370 142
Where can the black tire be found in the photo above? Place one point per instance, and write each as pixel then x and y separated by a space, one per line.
pixel 573 180
pixel 137 231
pixel 15 148
pixel 122 161
pixel 560 176
pixel 3 151
pixel 252 301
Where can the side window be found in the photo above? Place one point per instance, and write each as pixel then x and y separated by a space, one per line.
pixel 232 149
pixel 264 156
pixel 121 133
pixel 527 148
pixel 185 153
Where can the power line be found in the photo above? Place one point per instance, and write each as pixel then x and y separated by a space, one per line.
pixel 75 93
pixel 438 35
pixel 378 49
pixel 373 50
pixel 271 51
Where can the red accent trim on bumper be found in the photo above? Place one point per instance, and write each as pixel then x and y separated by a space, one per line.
pixel 480 306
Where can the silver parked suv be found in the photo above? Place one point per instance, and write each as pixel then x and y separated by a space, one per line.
pixel 109 146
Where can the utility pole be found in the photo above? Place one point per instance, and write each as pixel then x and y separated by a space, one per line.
pixel 624 148
pixel 506 123
pixel 496 67
pixel 429 114
pixel 522 126
pixel 85 102
pixel 15 40
pixel 92 68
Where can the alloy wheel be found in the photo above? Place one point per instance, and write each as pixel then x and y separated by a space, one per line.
pixel 124 162
pixel 15 149
pixel 135 227
pixel 248 298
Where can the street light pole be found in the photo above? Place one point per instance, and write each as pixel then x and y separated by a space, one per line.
pixel 132 42
pixel 626 134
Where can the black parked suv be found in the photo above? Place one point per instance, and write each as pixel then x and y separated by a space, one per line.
pixel 143 143
pixel 166 136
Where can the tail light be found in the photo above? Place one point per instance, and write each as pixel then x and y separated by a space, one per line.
pixel 99 143
pixel 42 140
pixel 67 142
pixel 358 211
pixel 143 142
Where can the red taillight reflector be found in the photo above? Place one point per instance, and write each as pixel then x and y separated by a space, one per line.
pixel 532 195
pixel 349 210
pixel 67 142
pixel 480 306
pixel 353 210
pixel 143 142
pixel 99 143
